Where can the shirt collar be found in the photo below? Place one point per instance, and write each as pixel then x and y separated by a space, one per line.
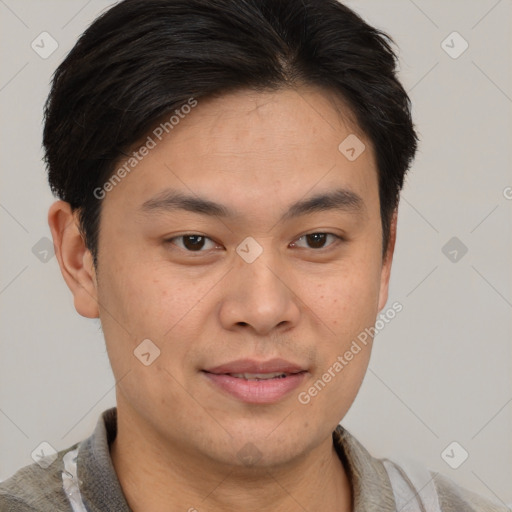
pixel 371 487
pixel 99 485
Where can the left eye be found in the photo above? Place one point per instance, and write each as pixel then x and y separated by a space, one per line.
pixel 192 243
pixel 316 240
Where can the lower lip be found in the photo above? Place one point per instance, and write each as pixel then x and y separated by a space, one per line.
pixel 257 391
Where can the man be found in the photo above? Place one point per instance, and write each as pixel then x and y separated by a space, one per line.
pixel 229 176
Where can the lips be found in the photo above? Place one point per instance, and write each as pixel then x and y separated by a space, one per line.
pixel 256 382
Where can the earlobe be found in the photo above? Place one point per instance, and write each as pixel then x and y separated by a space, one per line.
pixel 387 261
pixel 75 260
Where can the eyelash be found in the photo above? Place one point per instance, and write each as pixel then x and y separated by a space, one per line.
pixel 338 240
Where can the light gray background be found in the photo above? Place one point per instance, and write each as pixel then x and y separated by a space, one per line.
pixel 440 371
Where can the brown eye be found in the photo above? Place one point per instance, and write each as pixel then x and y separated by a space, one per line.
pixel 316 240
pixel 192 242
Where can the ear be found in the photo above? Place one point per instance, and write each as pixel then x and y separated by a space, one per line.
pixel 75 260
pixel 386 262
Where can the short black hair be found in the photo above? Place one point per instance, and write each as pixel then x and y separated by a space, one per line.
pixel 142 59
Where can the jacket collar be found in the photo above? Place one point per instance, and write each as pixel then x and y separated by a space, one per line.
pixel 371 488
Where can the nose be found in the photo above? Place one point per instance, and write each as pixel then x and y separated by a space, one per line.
pixel 259 296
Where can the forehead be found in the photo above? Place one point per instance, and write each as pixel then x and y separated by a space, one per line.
pixel 255 149
pixel 233 124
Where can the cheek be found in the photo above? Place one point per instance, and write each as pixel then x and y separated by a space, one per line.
pixel 139 302
pixel 146 299
pixel 347 301
pixel 346 308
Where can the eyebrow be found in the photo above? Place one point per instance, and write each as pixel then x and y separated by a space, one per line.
pixel 338 199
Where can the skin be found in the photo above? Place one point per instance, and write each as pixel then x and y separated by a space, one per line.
pixel 179 436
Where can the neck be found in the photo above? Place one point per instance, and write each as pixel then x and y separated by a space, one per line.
pixel 158 478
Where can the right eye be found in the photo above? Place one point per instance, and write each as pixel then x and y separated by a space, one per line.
pixel 190 242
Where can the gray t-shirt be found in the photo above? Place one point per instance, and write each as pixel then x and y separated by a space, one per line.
pixel 34 488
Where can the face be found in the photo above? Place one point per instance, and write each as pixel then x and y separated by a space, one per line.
pixel 250 285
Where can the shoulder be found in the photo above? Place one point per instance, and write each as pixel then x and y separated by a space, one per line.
pixel 36 488
pixel 380 484
pixel 453 498
pixel 411 481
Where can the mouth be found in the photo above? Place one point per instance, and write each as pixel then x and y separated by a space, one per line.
pixel 255 381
